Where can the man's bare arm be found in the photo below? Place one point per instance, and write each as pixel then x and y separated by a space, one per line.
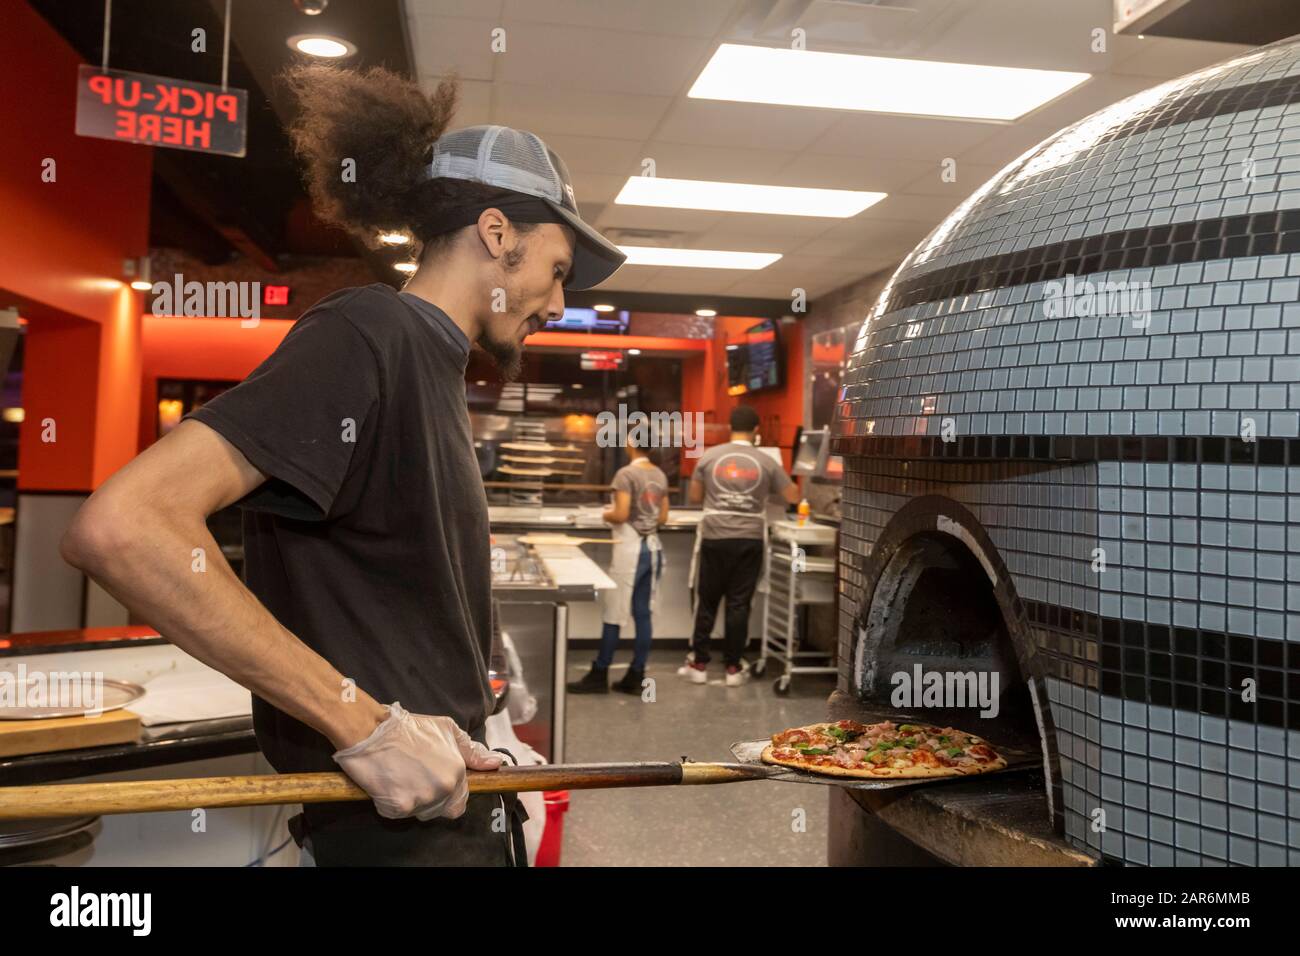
pixel 137 537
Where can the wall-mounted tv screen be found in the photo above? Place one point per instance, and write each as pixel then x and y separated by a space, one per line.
pixel 755 362
pixel 589 320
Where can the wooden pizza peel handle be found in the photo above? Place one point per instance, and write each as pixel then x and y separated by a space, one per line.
pixel 143 796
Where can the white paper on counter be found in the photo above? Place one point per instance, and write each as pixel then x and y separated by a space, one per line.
pixel 191 695
pixel 567 565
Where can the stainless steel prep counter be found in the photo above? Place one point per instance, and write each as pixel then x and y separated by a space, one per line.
pixel 561 577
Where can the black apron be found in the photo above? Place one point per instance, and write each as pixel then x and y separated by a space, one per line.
pixel 489 833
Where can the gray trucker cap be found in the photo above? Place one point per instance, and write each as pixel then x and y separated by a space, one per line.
pixel 519 161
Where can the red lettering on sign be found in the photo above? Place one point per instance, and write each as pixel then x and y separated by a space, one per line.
pixel 198 134
pixel 198 103
pixel 119 93
pixel 168 99
pixel 171 134
pixel 102 85
pixel 147 127
pixel 229 105
pixel 159 110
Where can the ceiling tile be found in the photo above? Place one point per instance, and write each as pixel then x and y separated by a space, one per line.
pixel 482 9
pixel 1166 58
pixel 1004 145
pixel 849 172
pixel 968 178
pixel 719 163
pixel 577 112
pixel 911 206
pixel 475 106
pixel 561 58
pixel 453 45
pixel 855 251
pixel 683 18
pixel 774 233
pixel 743 125
pixel 595 154
pixel 898 137
pixel 688 221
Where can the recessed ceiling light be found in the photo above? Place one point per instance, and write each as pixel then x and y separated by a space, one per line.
pixel 633 351
pixel 314 44
pixel 603 308
pixel 698 258
pixel 753 74
pixel 141 285
pixel 394 238
pixel 480 383
pixel 706 313
pixel 404 266
pixel 745 197
pixel 577 385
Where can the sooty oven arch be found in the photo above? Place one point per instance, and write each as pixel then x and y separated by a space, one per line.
pixel 934 536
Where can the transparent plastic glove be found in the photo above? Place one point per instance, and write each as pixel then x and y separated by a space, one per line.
pixel 414 765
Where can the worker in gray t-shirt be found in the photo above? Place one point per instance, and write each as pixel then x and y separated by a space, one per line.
pixel 734 482
pixel 639 507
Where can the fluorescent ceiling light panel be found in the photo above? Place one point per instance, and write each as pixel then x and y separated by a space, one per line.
pixel 842 81
pixel 698 258
pixel 744 197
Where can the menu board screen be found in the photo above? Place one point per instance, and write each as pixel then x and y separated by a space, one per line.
pixel 755 363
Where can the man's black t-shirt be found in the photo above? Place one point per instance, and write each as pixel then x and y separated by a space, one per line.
pixel 369 540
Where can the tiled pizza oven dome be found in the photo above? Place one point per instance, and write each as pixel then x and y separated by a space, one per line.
pixel 1088 377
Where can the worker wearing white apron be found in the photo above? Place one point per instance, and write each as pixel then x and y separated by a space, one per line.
pixel 640 506
pixel 734 482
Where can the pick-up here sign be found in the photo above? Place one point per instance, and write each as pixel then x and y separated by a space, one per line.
pixel 160 111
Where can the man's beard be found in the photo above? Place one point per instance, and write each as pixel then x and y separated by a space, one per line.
pixel 508 356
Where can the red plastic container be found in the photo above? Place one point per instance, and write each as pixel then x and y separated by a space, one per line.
pixel 557 805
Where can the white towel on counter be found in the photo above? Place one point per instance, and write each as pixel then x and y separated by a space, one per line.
pixel 179 696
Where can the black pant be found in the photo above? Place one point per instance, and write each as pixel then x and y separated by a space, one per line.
pixel 490 833
pixel 728 567
pixel 482 837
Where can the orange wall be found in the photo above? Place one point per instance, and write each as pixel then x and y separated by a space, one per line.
pixel 780 410
pixel 61 249
pixel 195 348
pixel 67 464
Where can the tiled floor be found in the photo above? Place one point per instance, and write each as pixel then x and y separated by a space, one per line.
pixel 741 824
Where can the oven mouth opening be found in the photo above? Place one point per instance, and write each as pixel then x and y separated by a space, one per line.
pixel 934 642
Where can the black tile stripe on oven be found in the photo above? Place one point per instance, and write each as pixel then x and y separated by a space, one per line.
pixel 1277 91
pixel 1193 450
pixel 1200 240
pixel 1184 668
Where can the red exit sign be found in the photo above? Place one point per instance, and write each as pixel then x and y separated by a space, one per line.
pixel 275 295
pixel 160 111
pixel 601 361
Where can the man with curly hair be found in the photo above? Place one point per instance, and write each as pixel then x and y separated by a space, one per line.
pixel 365 625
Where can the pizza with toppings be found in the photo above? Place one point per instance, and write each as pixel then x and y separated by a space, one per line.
pixel 847 748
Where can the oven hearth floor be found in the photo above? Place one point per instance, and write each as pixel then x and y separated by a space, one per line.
pixel 994 820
